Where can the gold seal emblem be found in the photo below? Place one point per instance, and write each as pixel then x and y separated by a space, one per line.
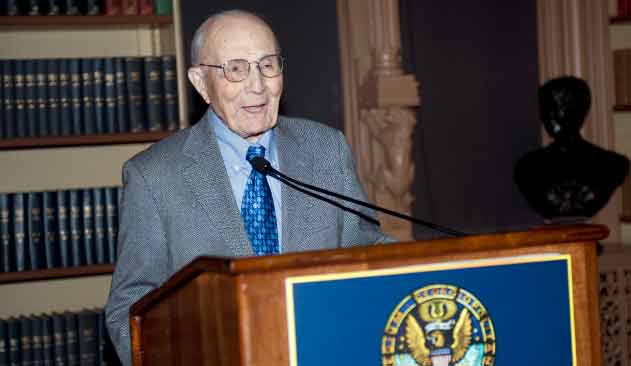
pixel 439 325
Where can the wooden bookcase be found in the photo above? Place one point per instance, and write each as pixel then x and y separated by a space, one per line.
pixel 75 162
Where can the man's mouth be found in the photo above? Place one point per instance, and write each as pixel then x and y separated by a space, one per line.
pixel 255 108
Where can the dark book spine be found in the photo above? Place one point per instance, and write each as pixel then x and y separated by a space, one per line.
pixel 145 7
pixel 154 94
pixel 3 122
pixel 99 94
pixel 129 7
pixel 59 340
pixel 52 93
pixel 89 7
pixel 110 96
pixel 72 345
pixel 171 107
pixel 12 8
pixel 8 93
pixel 74 208
pixel 111 7
pixel 111 222
pixel 69 7
pixel 34 230
pixel 88 346
pixel 41 73
pixel 88 225
pixel 49 230
pixel 51 7
pixel 21 256
pixel 20 98
pixel 163 7
pixel 30 90
pixel 32 7
pixel 63 229
pixel 87 82
pixel 75 96
pixel 136 100
pixel 47 341
pixel 5 234
pixel 65 98
pixel 26 340
pixel 101 336
pixel 120 85
pixel 99 226
pixel 36 344
pixel 15 348
pixel 4 346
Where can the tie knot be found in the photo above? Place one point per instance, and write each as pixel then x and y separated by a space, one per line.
pixel 255 151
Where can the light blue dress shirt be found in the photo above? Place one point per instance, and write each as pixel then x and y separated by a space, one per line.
pixel 233 149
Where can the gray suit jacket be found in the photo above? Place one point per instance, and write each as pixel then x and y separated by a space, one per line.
pixel 178 204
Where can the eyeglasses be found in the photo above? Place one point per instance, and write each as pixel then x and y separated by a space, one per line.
pixel 238 70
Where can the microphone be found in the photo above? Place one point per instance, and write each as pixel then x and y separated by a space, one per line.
pixel 264 167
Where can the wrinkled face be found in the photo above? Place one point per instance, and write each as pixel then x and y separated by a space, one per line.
pixel 249 107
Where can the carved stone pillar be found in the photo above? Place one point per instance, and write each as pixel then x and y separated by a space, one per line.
pixel 379 101
pixel 574 40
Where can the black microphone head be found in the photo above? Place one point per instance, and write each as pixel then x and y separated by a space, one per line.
pixel 260 164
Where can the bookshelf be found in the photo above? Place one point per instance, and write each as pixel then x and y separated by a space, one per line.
pixel 76 162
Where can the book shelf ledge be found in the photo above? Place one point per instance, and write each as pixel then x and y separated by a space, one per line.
pixel 56 273
pixel 82 140
pixel 83 20
pixel 622 108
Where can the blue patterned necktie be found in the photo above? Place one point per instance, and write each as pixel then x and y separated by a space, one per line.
pixel 257 209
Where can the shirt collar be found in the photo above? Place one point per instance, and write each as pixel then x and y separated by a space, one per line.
pixel 235 143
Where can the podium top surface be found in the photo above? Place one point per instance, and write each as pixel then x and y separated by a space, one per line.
pixel 539 237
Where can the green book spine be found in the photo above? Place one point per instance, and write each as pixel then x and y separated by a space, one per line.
pixel 60 353
pixel 163 7
pixel 47 341
pixel 99 94
pixel 8 93
pixel 5 234
pixel 49 230
pixel 110 96
pixel 99 226
pixel 30 90
pixel 154 93
pixel 72 343
pixel 41 105
pixel 21 256
pixel 171 108
pixel 87 217
pixel 52 93
pixel 87 82
pixel 88 346
pixel 34 230
pixel 111 222
pixel 36 345
pixel 15 348
pixel 75 96
pixel 120 91
pixel 65 98
pixel 74 205
pixel 4 346
pixel 63 229
pixel 136 94
pixel 20 98
pixel 26 341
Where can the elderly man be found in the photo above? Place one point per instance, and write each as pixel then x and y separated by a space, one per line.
pixel 195 194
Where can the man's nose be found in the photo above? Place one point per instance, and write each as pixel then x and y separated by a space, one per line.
pixel 255 81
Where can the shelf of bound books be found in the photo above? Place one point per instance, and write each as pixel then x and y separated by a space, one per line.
pixel 84 20
pixel 82 140
pixel 48 274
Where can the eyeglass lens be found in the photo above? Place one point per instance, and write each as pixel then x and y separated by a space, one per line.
pixel 270 66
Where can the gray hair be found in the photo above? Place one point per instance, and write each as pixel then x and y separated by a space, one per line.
pixel 199 38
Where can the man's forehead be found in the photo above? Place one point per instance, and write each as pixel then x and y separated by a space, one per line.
pixel 240 33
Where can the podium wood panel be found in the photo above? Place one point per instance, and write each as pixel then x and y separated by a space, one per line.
pixel 220 311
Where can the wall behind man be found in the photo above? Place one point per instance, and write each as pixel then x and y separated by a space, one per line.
pixel 307 32
pixel 476 62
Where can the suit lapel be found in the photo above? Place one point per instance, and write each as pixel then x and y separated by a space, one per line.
pixel 298 164
pixel 206 177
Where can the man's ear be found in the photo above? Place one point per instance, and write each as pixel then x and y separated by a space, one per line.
pixel 200 82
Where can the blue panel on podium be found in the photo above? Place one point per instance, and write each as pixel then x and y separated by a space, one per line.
pixel 510 311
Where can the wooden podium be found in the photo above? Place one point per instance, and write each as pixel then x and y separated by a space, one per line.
pixel 253 311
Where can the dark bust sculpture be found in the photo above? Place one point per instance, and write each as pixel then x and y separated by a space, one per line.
pixel 570 179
